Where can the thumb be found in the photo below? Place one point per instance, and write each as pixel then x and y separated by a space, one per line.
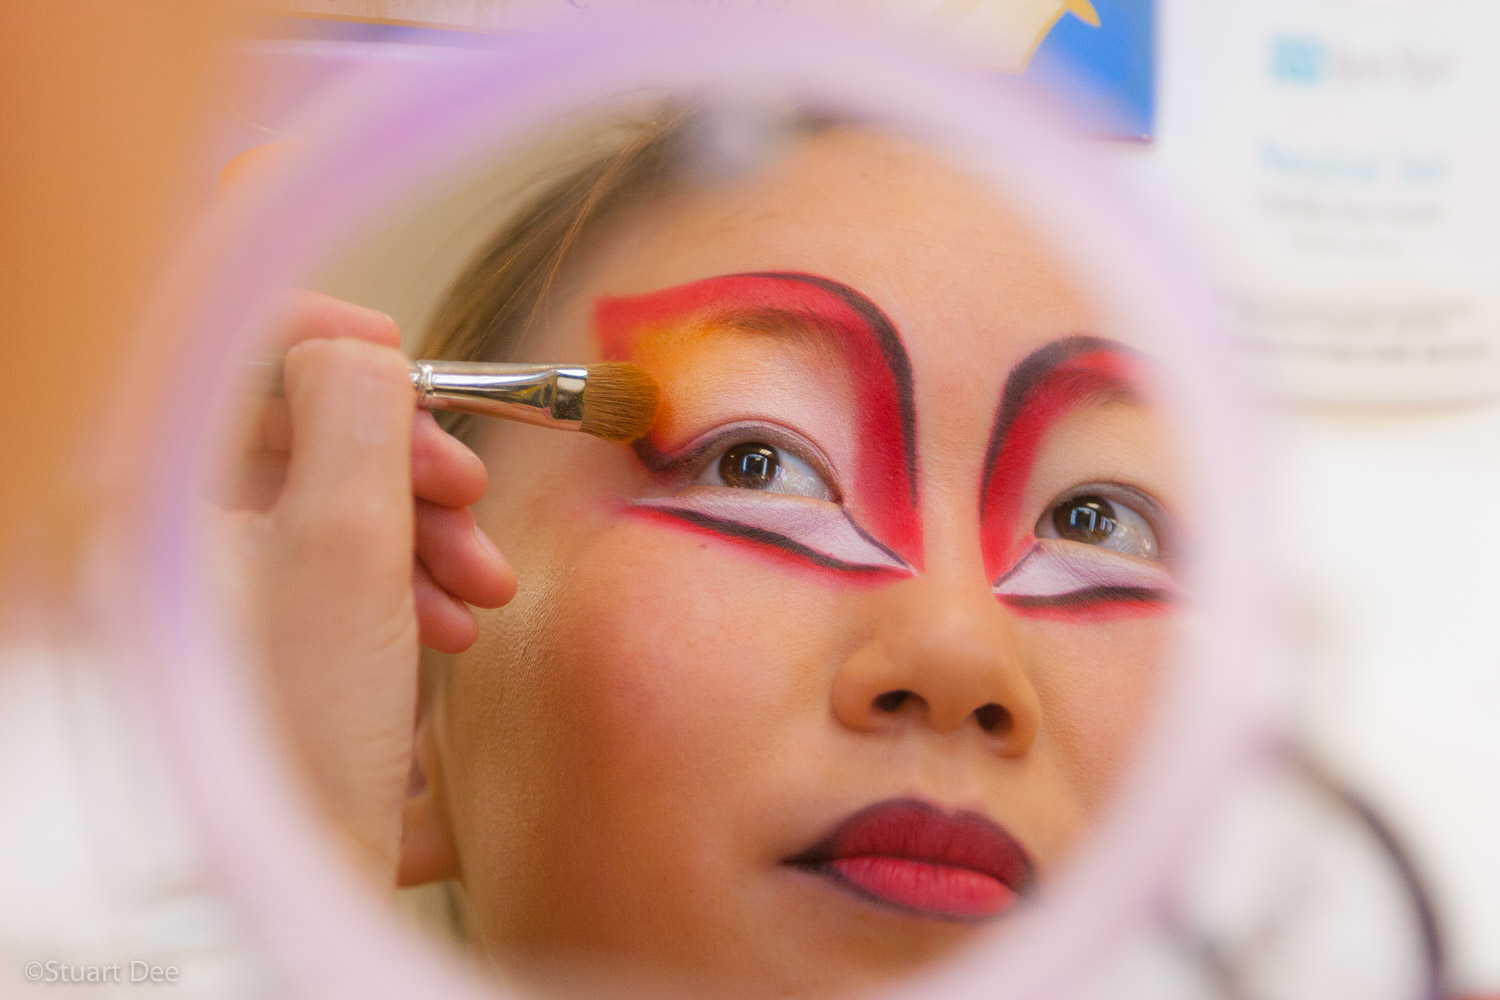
pixel 348 487
pixel 336 578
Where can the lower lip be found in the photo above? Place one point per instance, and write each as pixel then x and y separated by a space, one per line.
pixel 931 888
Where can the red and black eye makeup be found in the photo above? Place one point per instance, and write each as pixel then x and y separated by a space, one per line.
pixel 821 533
pixel 874 526
pixel 1054 575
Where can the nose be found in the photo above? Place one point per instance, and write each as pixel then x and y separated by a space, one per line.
pixel 944 660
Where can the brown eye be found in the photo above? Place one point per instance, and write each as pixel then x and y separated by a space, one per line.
pixel 746 460
pixel 1088 519
pixel 749 466
pixel 1111 516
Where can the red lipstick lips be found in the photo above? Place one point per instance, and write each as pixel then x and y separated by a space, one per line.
pixel 912 856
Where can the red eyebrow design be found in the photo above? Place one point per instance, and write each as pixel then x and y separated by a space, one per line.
pixel 1044 386
pixel 884 493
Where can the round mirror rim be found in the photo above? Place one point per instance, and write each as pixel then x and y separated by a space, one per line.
pixel 379 137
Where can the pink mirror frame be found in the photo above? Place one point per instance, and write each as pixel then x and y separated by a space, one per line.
pixel 380 138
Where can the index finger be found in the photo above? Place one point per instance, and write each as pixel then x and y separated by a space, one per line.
pixel 311 315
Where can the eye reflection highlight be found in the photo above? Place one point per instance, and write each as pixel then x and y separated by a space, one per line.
pixel 756 465
pixel 1110 516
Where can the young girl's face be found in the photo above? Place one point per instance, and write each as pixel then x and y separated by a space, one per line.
pixel 838 665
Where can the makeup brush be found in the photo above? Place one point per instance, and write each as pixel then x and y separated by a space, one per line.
pixel 611 400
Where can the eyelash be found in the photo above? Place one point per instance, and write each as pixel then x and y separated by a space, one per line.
pixel 1132 499
pixel 698 460
pixel 822 532
pixel 1062 573
pixel 1056 571
pixel 700 457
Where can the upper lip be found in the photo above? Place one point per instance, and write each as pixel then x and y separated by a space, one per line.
pixel 918 831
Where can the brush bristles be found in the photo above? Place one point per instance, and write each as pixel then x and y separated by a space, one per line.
pixel 619 401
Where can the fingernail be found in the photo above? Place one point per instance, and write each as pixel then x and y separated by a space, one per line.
pixel 465 447
pixel 432 418
pixel 488 544
pixel 380 317
pixel 309 342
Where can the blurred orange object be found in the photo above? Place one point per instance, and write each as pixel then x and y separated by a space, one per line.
pixel 98 104
pixel 253 160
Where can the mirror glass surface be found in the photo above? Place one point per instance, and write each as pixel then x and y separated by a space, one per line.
pixel 823 678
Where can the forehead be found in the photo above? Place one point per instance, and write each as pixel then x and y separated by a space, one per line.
pixel 961 272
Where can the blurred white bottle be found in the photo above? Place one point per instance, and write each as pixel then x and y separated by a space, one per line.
pixel 1344 159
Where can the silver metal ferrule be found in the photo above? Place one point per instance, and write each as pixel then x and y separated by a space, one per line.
pixel 537 394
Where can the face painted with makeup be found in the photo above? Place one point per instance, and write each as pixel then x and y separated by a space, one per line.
pixel 804 690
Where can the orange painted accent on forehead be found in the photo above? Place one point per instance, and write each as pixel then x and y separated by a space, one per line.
pixel 661 325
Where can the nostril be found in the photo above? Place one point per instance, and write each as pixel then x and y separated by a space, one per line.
pixel 993 718
pixel 891 701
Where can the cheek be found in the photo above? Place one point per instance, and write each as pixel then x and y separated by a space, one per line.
pixel 692 652
pixel 642 653
pixel 631 703
pixel 1097 685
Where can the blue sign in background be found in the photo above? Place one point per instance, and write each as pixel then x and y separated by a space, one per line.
pixel 1106 72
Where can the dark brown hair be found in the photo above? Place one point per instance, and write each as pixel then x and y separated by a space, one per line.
pixel 502 290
